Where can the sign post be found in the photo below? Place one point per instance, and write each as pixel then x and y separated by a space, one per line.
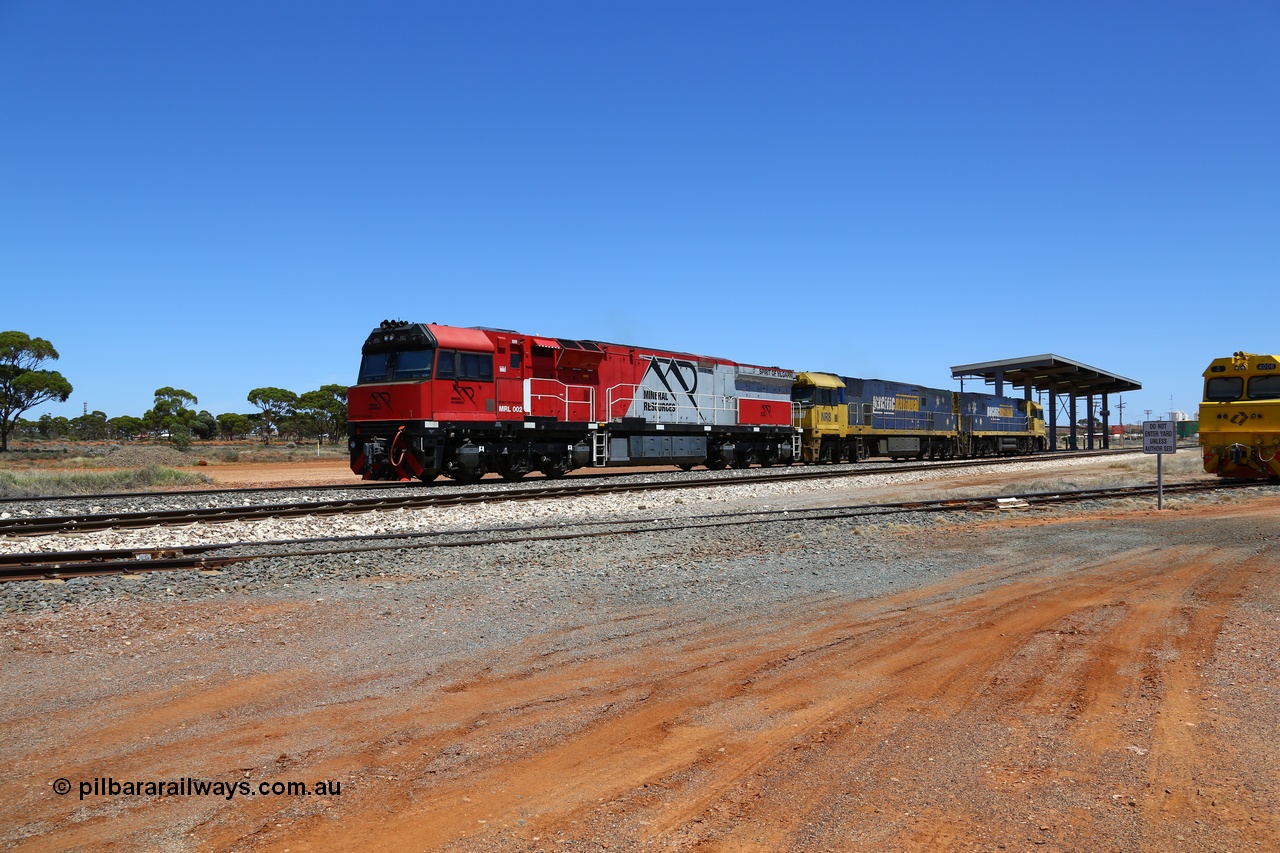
pixel 1159 437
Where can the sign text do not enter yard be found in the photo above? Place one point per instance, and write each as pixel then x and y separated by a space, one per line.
pixel 1159 437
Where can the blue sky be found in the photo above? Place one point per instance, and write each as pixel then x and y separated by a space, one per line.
pixel 223 196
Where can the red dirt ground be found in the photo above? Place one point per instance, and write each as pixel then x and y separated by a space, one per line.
pixel 1128 704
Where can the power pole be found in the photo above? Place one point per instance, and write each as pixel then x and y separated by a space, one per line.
pixel 1147 412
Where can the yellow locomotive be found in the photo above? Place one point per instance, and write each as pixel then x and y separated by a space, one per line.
pixel 1240 416
pixel 840 417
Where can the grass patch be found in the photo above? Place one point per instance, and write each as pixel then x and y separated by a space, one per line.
pixel 262 453
pixel 43 484
pixel 1186 462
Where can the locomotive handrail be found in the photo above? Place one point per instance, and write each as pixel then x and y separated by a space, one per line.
pixel 921 420
pixel 562 397
pixel 703 403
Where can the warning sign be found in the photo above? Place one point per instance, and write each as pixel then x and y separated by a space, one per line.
pixel 1159 437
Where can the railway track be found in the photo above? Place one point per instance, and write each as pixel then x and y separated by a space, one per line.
pixel 46 566
pixel 577 475
pixel 47 525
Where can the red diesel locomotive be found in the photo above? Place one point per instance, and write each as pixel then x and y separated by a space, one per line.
pixel 434 400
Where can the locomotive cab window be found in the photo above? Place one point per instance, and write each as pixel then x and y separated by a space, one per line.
pixel 414 364
pixel 802 393
pixel 1223 389
pixel 815 396
pixel 1264 388
pixel 447 365
pixel 465 366
pixel 475 366
pixel 373 368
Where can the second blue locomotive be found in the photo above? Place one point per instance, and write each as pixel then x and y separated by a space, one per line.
pixel 843 418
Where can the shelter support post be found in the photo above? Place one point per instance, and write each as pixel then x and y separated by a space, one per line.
pixel 1053 419
pixel 1073 443
pixel 1106 424
pixel 1089 418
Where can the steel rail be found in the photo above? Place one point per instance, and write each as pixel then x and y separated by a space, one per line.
pixel 577 474
pixel 36 566
pixel 46 525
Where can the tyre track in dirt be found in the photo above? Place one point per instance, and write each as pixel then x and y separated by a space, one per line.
pixel 1046 711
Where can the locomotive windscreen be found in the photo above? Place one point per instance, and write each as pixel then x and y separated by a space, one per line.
pixel 397 350
pixel 373 368
pixel 402 364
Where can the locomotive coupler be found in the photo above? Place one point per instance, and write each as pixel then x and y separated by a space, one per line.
pixel 374 452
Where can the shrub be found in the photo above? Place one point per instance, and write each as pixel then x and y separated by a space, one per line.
pixel 37 484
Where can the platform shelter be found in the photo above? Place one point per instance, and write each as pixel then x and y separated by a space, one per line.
pixel 1062 378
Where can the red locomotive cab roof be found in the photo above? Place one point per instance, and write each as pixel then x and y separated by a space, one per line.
pixel 453 337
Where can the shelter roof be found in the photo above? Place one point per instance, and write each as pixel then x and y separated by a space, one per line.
pixel 1049 371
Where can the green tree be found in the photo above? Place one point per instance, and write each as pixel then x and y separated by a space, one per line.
pixel 50 427
pixel 90 427
pixel 205 426
pixel 275 403
pixel 24 428
pixel 324 411
pixel 292 426
pixel 23 382
pixel 230 424
pixel 180 438
pixel 125 426
pixel 172 411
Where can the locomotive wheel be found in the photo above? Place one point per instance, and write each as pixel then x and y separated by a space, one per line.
pixel 553 468
pixel 716 464
pixel 428 475
pixel 685 466
pixel 514 468
pixel 466 476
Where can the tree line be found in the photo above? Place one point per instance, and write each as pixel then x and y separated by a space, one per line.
pixel 25 383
